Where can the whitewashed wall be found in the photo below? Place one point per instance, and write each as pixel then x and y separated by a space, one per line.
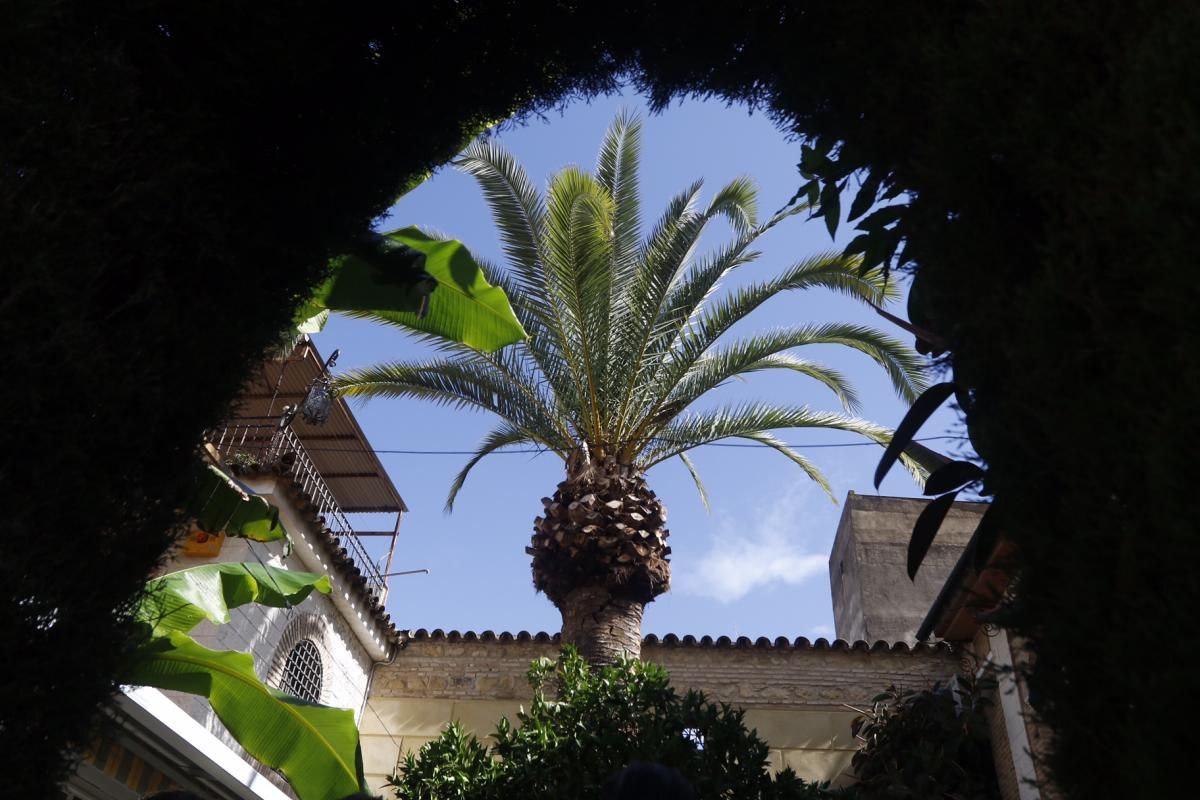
pixel 270 633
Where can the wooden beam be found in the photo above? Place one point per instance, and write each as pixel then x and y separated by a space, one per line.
pixel 330 475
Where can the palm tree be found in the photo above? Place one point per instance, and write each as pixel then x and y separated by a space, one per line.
pixel 623 342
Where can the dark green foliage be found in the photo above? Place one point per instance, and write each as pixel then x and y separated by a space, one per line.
pixel 1049 158
pixel 173 176
pixel 927 744
pixel 584 725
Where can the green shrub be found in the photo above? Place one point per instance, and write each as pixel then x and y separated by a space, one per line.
pixel 930 743
pixel 584 725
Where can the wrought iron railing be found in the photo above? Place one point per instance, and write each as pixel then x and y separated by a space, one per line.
pixel 262 443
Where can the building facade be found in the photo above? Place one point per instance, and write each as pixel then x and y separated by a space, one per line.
pixel 799 695
pixel 315 466
pixel 330 491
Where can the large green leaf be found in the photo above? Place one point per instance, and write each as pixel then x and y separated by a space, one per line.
pixel 450 298
pixel 315 747
pixel 178 601
pixel 220 505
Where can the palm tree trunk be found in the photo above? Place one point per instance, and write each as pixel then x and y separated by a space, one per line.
pixel 603 627
pixel 600 555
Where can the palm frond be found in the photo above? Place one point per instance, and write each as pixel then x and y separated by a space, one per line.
pixel 503 435
pixel 579 274
pixel 737 201
pixel 541 352
pixel 458 383
pixel 518 210
pixel 733 421
pixel 755 354
pixel 617 172
pixel 810 469
pixel 829 271
pixel 691 468
pixel 665 258
pixel 685 382
pixel 688 298
pixel 521 216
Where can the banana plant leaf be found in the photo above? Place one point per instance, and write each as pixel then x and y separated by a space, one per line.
pixel 220 505
pixel 178 601
pixel 316 747
pixel 410 279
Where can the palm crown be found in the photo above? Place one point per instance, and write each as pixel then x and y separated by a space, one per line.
pixel 625 328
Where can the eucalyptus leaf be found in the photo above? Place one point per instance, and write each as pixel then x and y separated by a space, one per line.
pixel 883 217
pixel 865 198
pixel 925 529
pixel 920 411
pixel 952 476
pixel 831 206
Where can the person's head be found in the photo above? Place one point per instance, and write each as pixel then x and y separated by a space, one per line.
pixel 642 779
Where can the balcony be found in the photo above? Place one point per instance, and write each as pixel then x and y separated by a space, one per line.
pixel 331 468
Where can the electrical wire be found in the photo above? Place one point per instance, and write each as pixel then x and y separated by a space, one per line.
pixel 536 450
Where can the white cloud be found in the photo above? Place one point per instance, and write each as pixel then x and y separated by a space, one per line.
pixel 774 549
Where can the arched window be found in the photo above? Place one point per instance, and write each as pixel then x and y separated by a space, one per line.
pixel 302 672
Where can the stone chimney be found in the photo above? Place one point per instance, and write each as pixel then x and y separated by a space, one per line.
pixel 873 598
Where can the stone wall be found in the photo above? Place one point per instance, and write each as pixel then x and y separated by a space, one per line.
pixel 798 695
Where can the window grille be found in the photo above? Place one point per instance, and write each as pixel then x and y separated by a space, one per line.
pixel 302 672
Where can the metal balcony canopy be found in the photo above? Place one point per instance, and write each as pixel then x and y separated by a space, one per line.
pixel 338 448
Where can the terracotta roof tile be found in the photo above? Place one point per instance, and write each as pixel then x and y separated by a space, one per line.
pixel 673 640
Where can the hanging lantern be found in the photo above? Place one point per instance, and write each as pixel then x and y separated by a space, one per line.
pixel 318 403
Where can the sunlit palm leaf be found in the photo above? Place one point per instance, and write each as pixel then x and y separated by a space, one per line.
pixel 516 205
pixel 741 358
pixel 578 258
pixel 502 436
pixel 695 429
pixel 769 351
pixel 666 258
pixel 700 488
pixel 688 298
pixel 459 383
pixel 617 172
pixel 624 335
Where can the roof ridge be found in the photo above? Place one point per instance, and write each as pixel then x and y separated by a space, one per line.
pixel 674 640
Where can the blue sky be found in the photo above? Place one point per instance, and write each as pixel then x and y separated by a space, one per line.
pixel 757 564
